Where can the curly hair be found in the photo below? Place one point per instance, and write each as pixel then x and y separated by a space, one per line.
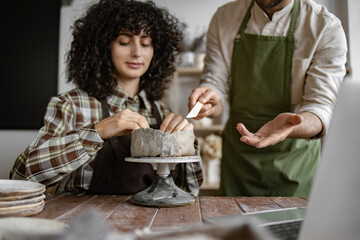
pixel 89 63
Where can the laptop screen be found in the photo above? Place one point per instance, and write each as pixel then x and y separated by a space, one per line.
pixel 333 210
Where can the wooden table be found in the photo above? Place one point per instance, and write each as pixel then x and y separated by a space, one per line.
pixel 126 216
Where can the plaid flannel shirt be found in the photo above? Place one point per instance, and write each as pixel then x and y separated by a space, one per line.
pixel 63 152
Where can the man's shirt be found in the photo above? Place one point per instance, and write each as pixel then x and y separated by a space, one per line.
pixel 319 58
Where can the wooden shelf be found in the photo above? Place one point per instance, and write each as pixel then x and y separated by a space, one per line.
pixel 209 189
pixel 218 128
pixel 190 71
pixel 208 186
pixel 204 131
pixel 183 72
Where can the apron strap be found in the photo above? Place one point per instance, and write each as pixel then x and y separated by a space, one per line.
pixel 246 19
pixel 114 141
pixel 293 20
pixel 104 108
pixel 156 114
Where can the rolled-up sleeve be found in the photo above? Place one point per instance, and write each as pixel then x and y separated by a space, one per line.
pixel 216 74
pixel 325 74
pixel 60 148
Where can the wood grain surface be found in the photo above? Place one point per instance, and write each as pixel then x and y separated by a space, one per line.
pixel 125 216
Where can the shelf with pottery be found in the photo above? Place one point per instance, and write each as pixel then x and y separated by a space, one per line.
pixel 183 72
pixel 189 71
pixel 210 186
pixel 210 146
pixel 205 129
pixel 201 131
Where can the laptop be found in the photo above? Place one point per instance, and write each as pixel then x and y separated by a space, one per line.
pixel 333 210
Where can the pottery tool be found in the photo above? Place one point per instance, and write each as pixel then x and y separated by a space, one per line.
pixel 195 110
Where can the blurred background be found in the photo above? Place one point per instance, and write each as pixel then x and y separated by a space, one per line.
pixel 35 36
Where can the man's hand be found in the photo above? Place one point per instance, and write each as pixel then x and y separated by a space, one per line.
pixel 272 132
pixel 212 103
pixel 121 123
pixel 175 122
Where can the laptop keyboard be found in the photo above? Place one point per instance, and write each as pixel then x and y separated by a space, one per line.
pixel 285 231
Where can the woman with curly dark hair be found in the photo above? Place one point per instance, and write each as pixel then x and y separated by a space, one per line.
pixel 89 63
pixel 121 59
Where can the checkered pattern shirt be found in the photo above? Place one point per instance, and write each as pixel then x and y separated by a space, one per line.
pixel 63 152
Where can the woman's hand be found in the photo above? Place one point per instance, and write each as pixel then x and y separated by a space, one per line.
pixel 272 132
pixel 121 123
pixel 175 122
pixel 212 103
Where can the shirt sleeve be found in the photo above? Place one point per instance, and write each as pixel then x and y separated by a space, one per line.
pixel 325 74
pixel 216 73
pixel 60 148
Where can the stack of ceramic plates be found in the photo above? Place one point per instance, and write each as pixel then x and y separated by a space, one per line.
pixel 21 198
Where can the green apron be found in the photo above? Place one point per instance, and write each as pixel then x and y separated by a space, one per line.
pixel 260 90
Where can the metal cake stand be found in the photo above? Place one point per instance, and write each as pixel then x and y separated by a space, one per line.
pixel 163 192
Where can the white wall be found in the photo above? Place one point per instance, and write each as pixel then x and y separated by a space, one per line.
pixel 12 143
pixel 68 15
pixel 354 37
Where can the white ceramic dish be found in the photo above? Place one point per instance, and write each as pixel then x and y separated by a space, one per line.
pixel 14 226
pixel 20 197
pixel 29 210
pixel 20 207
pixel 10 203
pixel 19 187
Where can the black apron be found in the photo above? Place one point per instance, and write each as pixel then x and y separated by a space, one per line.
pixel 112 174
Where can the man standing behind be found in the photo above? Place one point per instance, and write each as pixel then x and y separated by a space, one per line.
pixel 279 64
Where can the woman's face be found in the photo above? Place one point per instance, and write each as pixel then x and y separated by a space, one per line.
pixel 131 55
